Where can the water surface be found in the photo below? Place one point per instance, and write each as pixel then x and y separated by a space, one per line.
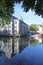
pixel 23 51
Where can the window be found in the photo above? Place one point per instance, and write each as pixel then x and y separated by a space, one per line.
pixel 9 26
pixel 15 26
pixel 15 31
pixel 15 22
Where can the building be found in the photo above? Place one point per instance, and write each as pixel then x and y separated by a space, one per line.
pixel 16 26
pixel 39 29
pixel 19 27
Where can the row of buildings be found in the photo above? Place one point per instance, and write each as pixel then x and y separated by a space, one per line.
pixel 16 26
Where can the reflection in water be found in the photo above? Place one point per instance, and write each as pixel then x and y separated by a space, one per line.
pixel 24 42
pixel 33 42
pixel 27 50
pixel 6 46
pixel 31 55
pixel 12 46
pixel 15 46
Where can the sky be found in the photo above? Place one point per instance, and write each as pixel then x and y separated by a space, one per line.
pixel 28 17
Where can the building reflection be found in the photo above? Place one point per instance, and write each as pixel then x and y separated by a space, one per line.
pixel 15 46
pixel 12 46
pixel 39 39
pixel 6 46
pixel 24 42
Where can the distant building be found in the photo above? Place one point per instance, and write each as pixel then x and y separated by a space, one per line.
pixel 39 28
pixel 16 26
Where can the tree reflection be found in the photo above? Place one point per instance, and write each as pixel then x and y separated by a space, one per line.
pixel 33 42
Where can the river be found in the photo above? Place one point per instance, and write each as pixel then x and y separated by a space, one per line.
pixel 22 51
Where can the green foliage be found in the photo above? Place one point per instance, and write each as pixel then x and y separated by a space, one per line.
pixel 2 22
pixel 18 1
pixel 27 4
pixel 33 42
pixel 36 5
pixel 42 26
pixel 33 27
pixel 6 9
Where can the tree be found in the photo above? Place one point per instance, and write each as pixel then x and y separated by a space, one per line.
pixel 36 5
pixel 33 27
pixel 7 7
pixel 42 26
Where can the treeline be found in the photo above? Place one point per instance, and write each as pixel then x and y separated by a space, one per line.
pixel 34 27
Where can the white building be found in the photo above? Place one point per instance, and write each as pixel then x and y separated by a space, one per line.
pixel 19 27
pixel 16 26
pixel 39 28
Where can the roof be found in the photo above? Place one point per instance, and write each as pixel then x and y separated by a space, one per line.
pixel 19 19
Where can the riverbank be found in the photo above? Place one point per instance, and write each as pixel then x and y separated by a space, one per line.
pixel 13 36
